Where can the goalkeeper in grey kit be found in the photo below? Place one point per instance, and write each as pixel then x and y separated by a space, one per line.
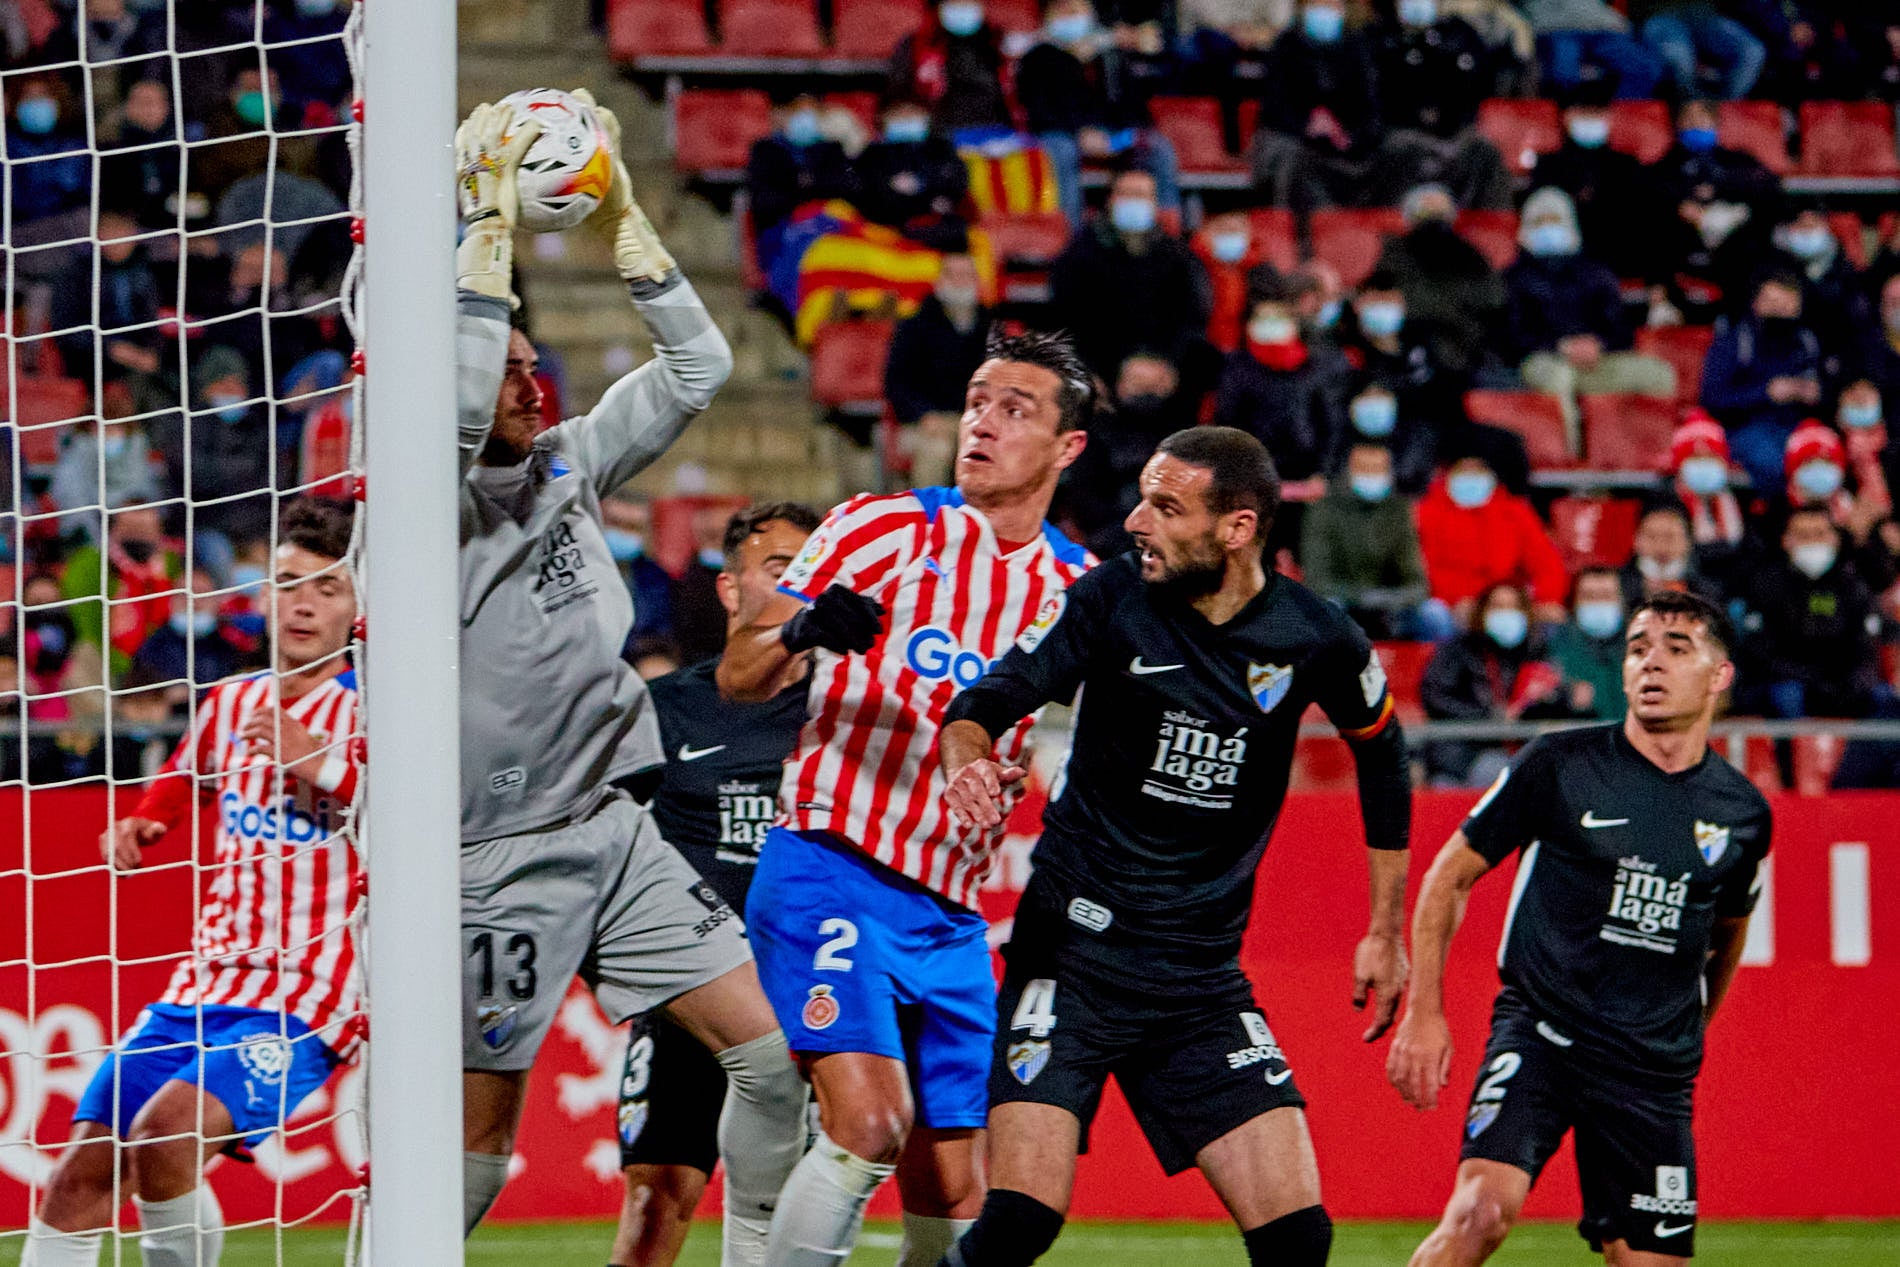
pixel 562 870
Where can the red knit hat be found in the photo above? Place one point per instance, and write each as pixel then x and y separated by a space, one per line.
pixel 1699 433
pixel 1812 440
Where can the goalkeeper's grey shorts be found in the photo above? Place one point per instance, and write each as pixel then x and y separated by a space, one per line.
pixel 605 897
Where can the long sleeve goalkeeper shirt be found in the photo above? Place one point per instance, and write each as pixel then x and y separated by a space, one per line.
pixel 550 714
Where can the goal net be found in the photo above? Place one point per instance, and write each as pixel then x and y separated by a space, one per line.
pixel 180 206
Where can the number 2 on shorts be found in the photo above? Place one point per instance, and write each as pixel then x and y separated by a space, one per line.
pixel 828 958
pixel 1501 1070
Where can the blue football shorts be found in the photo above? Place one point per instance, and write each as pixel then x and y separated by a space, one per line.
pixel 855 957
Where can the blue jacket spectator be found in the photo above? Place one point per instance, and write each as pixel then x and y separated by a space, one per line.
pixel 44 123
pixel 1762 377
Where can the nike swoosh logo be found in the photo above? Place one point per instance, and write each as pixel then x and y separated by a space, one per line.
pixel 1553 1036
pixel 1275 1079
pixel 1663 1229
pixel 1591 820
pixel 694 754
pixel 1136 667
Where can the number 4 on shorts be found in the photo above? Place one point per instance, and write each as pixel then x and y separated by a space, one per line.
pixel 1036 1009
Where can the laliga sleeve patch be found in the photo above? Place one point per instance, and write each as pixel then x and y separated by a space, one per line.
pixel 821 1008
pixel 1372 679
pixel 805 566
pixel 1046 617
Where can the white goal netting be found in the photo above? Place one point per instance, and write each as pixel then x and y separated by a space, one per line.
pixel 178 374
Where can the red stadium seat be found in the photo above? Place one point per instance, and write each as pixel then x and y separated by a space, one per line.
pixel 45 403
pixel 1350 240
pixel 1493 232
pixel 1684 347
pixel 1755 127
pixel 644 28
pixel 1404 672
pixel 1249 121
pixel 1641 129
pixel 713 130
pixel 1759 764
pixel 1536 417
pixel 871 28
pixel 1847 138
pixel 1030 237
pixel 1521 129
pixel 1193 126
pixel 1626 432
pixel 1816 757
pixel 770 28
pixel 847 364
pixel 1275 236
pixel 1851 233
pixel 1594 531
pixel 1022 16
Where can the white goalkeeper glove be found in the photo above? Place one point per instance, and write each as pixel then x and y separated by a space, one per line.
pixel 619 219
pixel 488 150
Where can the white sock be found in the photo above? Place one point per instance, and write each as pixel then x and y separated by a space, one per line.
pixel 927 1240
pixel 483 1175
pixel 822 1207
pixel 761 1137
pixel 50 1247
pixel 186 1231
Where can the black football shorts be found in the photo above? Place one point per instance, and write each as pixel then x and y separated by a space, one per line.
pixel 1193 1065
pixel 1635 1152
pixel 671 1092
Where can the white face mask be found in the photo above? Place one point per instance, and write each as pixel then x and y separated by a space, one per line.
pixel 1814 559
pixel 1657 570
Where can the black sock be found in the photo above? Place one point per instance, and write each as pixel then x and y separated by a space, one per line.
pixel 1300 1239
pixel 1014 1230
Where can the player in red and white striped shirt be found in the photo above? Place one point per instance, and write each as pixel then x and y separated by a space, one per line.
pixel 861 914
pixel 267 1004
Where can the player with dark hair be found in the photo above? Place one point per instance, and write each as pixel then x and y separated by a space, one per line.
pixel 269 1001
pixel 863 912
pixel 1195 662
pixel 717 795
pixel 1642 855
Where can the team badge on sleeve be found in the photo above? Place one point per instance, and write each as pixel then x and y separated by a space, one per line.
pixel 1268 684
pixel 1027 1058
pixel 1710 841
pixel 1046 617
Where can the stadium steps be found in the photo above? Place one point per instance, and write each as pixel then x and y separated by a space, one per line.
pixel 759 436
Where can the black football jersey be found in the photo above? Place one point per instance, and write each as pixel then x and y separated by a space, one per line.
pixel 1183 745
pixel 718 792
pixel 1626 868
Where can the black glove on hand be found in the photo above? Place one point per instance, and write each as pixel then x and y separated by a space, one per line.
pixel 838 620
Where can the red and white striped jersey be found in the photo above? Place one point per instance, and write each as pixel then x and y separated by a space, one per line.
pixel 273 931
pixel 866 766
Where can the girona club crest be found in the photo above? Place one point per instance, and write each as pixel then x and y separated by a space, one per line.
pixel 821 1008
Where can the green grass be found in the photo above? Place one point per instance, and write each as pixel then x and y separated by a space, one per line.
pixel 1124 1245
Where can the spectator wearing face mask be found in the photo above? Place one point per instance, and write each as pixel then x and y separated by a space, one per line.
pixel 1454 299
pixel 955 65
pixel 1566 319
pixel 627 525
pixel 795 165
pixel 1588 648
pixel 1318 302
pixel 246 134
pixel 56 668
pixel 134 570
pixel 1833 292
pixel 1663 557
pixel 1808 629
pixel 1873 460
pixel 1271 388
pixel 1495 671
pixel 46 151
pixel 1578 35
pixel 1725 206
pixel 193 648
pixel 1124 284
pixel 1359 548
pixel 932 355
pixel 101 465
pixel 1228 254
pixel 1321 119
pixel 140 172
pixel 1687 34
pixel 913 180
pixel 1610 190
pixel 1102 486
pixel 1434 72
pixel 1080 103
pixel 1817 476
pixel 1377 415
pixel 1762 377
pixel 1718 532
pixel 218 457
pixel 1476 535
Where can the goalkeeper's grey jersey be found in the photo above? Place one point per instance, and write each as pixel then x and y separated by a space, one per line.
pixel 551 715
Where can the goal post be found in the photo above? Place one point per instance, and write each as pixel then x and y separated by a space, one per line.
pixel 411 651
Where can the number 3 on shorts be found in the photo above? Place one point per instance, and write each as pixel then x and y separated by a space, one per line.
pixel 844 935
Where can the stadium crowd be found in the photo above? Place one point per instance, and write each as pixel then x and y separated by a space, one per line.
pixel 1411 504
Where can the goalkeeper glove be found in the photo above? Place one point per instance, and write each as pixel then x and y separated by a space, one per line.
pixel 619 219
pixel 488 150
pixel 839 620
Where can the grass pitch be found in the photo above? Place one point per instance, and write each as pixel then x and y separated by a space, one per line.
pixel 1842 1244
